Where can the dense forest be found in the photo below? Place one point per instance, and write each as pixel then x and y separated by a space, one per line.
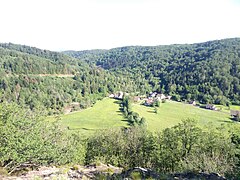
pixel 208 72
pixel 22 79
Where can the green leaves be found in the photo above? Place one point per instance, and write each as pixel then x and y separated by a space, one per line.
pixel 193 72
pixel 184 147
pixel 26 138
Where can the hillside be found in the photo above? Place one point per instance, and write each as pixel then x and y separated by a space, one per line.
pixel 51 55
pixel 50 81
pixel 104 114
pixel 208 72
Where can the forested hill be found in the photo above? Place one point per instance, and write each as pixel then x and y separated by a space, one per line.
pixel 21 59
pixel 45 80
pixel 208 72
pixel 54 56
pixel 87 55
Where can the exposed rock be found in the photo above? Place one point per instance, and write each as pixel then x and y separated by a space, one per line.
pixel 109 172
pixel 145 173
pixel 76 172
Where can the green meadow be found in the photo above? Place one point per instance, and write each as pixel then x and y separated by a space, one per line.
pixel 106 114
pixel 171 113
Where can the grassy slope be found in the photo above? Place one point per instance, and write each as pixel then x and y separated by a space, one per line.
pixel 104 114
pixel 171 113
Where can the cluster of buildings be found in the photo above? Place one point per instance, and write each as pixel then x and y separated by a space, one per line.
pixel 153 97
pixel 207 106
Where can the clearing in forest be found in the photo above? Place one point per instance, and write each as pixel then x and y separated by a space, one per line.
pixel 106 114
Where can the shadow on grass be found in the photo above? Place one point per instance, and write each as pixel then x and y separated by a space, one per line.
pixel 150 111
pixel 86 129
pixel 230 122
pixel 234 120
pixel 120 114
pixel 117 102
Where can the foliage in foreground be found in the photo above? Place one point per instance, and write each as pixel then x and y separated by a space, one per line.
pixel 26 140
pixel 184 147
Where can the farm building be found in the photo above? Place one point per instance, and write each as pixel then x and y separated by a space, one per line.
pixel 193 103
pixel 111 95
pixel 235 113
pixel 149 102
pixel 211 107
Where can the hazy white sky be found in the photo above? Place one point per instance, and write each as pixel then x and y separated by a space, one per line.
pixel 103 24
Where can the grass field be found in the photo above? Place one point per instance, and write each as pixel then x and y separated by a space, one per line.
pixel 171 113
pixel 105 114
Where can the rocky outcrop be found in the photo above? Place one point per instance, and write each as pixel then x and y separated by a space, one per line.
pixel 65 173
pixel 108 172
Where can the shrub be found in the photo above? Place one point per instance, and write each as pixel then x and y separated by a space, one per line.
pixel 26 140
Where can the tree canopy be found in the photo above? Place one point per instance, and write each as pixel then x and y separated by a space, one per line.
pixel 208 72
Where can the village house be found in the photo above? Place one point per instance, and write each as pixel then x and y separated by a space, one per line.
pixel 111 96
pixel 118 95
pixel 169 97
pixel 211 107
pixel 235 113
pixel 153 94
pixel 193 103
pixel 161 96
pixel 149 102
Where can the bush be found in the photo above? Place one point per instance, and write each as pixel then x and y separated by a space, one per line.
pixel 184 147
pixel 26 140
pixel 120 147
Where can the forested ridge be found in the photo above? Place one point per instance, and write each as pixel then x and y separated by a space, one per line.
pixel 208 72
pixel 21 80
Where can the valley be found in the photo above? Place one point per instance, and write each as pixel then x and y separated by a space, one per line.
pixel 176 108
pixel 120 89
pixel 106 114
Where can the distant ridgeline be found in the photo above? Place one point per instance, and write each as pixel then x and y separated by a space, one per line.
pixel 208 72
pixel 45 80
pixel 42 79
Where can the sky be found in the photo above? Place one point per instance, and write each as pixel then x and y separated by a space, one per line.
pixel 103 24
